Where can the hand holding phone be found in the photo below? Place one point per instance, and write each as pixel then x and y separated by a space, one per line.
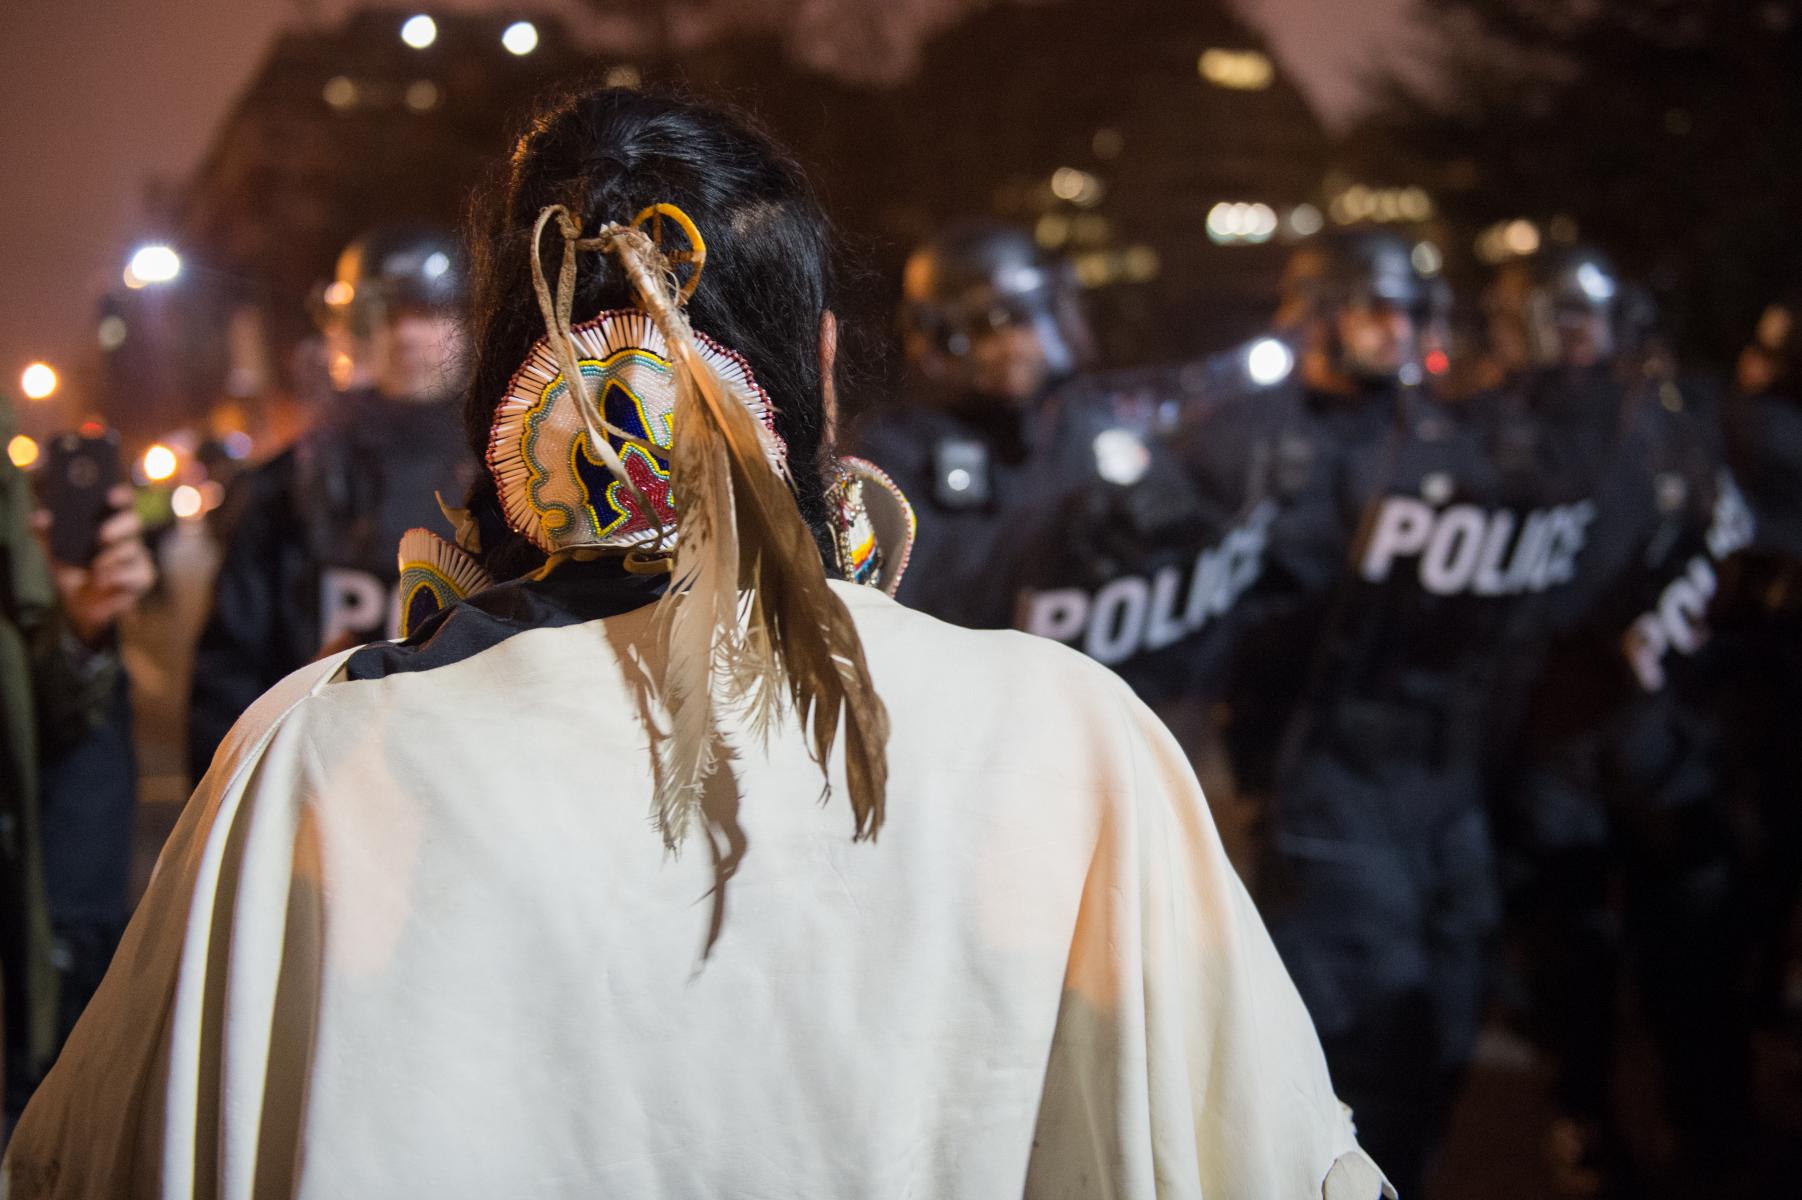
pixel 74 485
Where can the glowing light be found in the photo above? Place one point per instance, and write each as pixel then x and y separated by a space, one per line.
pixel 1241 70
pixel 520 38
pixel 423 95
pixel 1268 361
pixel 1595 282
pixel 1414 204
pixel 1427 259
pixel 436 264
pixel 1120 457
pixel 237 445
pixel 1521 237
pixel 958 479
pixel 340 92
pixel 212 494
pixel 111 332
pixel 339 293
pixel 1360 202
pixel 38 381
pixel 187 502
pixel 1140 264
pixel 1051 230
pixel 1438 362
pixel 155 263
pixel 1076 186
pixel 159 463
pixel 1240 222
pixel 23 451
pixel 1354 204
pixel 419 31
pixel 1305 220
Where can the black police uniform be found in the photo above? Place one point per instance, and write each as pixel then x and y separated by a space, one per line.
pixel 1627 839
pixel 1411 572
pixel 980 476
pixel 1140 565
pixel 310 551
pixel 1760 636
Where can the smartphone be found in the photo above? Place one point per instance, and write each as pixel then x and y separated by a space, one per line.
pixel 73 484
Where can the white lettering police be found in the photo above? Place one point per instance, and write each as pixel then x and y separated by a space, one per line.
pixel 1136 613
pixel 1486 552
pixel 354 606
pixel 1678 621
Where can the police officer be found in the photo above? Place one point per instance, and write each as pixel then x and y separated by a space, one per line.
pixel 1619 791
pixel 1049 497
pixel 990 327
pixel 1763 629
pixel 309 560
pixel 1405 572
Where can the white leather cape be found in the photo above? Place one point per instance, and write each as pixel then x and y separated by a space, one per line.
pixel 415 937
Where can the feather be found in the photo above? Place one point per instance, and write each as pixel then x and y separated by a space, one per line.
pixel 748 617
pixel 801 639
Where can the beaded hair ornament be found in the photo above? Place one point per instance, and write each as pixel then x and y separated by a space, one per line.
pixel 633 434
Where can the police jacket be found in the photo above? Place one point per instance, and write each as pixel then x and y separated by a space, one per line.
pixel 980 476
pixel 1138 564
pixel 1611 720
pixel 1409 568
pixel 309 550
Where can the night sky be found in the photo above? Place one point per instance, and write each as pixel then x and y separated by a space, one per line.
pixel 103 97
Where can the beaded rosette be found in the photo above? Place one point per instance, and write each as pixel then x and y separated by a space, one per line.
pixel 433 576
pixel 873 525
pixel 554 488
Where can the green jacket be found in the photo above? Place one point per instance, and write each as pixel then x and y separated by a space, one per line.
pixel 51 692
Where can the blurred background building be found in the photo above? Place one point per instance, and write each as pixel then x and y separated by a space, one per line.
pixel 1157 142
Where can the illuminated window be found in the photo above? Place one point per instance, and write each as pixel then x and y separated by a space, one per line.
pixel 1241 224
pixel 1241 70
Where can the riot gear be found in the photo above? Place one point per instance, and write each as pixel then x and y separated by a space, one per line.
pixel 390 313
pixel 985 311
pixel 390 268
pixel 309 550
pixel 1365 304
pixel 1559 308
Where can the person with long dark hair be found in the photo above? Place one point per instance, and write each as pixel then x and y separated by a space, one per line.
pixel 415 934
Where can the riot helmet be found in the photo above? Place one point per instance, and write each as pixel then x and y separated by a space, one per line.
pixel 1365 304
pixel 392 314
pixel 986 312
pixel 1558 308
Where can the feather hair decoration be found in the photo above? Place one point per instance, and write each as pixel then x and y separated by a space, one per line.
pixel 748 617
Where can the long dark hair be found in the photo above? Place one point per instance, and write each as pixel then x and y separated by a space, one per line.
pixel 607 154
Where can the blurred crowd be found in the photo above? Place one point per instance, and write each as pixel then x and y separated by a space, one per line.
pixel 1481 612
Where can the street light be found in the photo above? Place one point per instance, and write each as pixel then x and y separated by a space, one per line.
pixel 1268 361
pixel 520 38
pixel 155 263
pixel 38 381
pixel 159 463
pixel 419 31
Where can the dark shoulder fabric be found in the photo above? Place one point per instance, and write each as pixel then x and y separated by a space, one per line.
pixel 572 594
